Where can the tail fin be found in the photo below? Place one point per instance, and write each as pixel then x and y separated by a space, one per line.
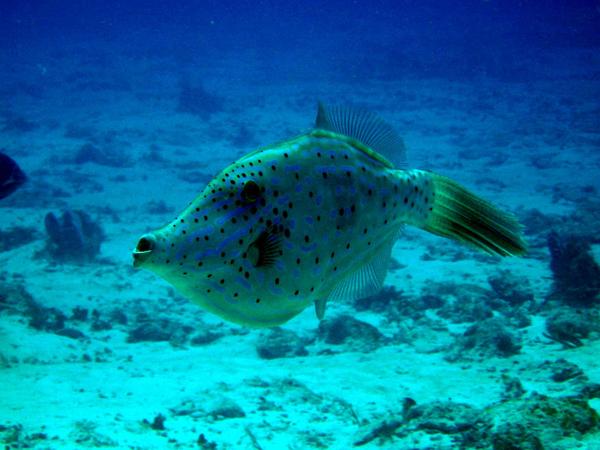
pixel 460 215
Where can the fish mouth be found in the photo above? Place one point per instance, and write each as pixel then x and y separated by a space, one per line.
pixel 144 249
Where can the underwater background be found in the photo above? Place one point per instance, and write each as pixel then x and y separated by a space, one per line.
pixel 120 112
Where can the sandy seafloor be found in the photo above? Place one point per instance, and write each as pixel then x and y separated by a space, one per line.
pixel 524 145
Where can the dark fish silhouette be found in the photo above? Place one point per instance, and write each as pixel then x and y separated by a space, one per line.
pixel 11 176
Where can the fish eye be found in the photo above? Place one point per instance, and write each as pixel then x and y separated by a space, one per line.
pixel 250 191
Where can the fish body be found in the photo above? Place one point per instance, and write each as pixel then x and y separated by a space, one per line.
pixel 300 222
pixel 11 176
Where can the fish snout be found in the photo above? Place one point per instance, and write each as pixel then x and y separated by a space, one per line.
pixel 143 250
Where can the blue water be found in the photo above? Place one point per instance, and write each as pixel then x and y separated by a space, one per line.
pixel 120 113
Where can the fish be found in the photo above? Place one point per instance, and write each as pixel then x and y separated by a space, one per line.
pixel 313 219
pixel 11 176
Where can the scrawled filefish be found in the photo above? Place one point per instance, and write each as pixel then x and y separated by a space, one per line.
pixel 312 219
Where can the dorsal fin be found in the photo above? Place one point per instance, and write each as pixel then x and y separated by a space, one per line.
pixel 364 126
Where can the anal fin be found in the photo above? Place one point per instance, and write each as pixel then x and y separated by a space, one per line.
pixel 368 279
